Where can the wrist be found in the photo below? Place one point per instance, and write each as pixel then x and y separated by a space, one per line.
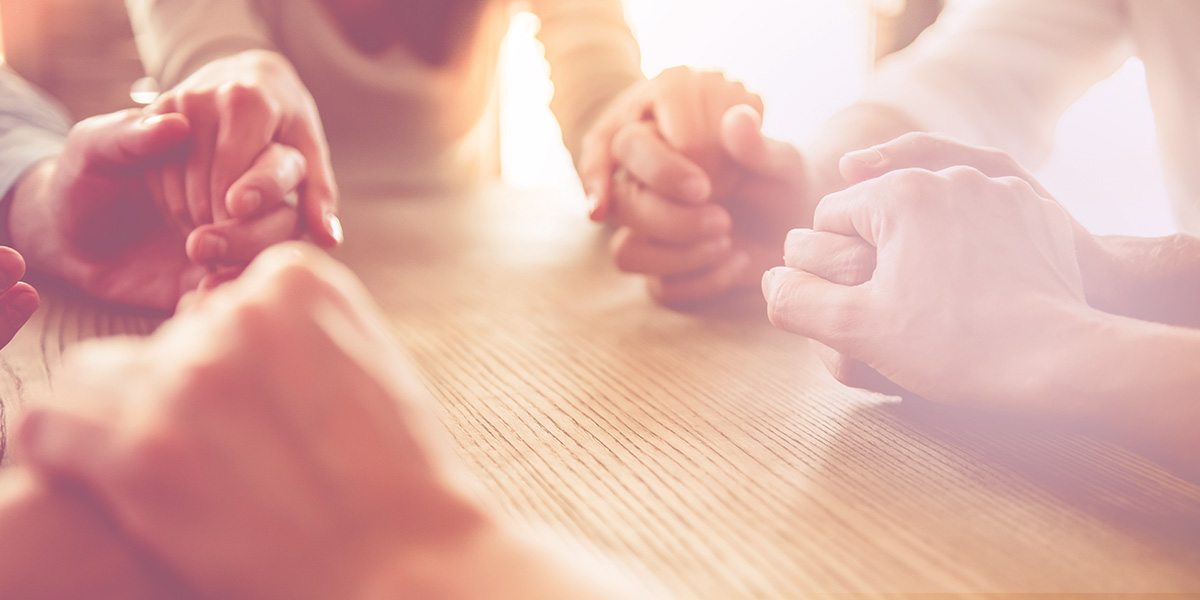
pixel 31 228
pixel 1156 279
pixel 443 565
pixel 856 127
pixel 1133 381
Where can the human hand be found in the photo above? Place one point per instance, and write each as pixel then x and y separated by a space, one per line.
pixel 238 106
pixel 18 300
pixel 671 122
pixel 271 441
pixel 93 215
pixel 975 277
pixel 702 197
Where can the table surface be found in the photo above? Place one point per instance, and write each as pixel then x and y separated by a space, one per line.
pixel 704 447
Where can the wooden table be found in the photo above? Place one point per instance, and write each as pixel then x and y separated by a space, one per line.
pixel 707 447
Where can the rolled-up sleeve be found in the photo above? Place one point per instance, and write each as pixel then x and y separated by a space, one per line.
pixel 32 129
pixel 1001 74
pixel 177 37
pixel 593 56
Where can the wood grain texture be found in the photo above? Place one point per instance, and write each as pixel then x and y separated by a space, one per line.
pixel 706 447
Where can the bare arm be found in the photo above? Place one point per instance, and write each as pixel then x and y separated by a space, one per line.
pixel 1154 279
pixel 177 37
pixel 593 57
pixel 56 545
pixel 1144 377
pixel 505 563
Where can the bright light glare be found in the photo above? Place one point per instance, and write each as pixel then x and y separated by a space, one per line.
pixel 806 58
pixel 144 90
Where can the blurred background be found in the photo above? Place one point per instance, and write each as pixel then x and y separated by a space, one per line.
pixel 806 58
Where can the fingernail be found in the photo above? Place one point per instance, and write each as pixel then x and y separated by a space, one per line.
pixel 793 237
pixel 153 120
pixel 593 202
pixel 333 225
pixel 594 208
pixel 696 189
pixel 869 157
pixel 213 246
pixel 251 201
pixel 768 284
pixel 21 307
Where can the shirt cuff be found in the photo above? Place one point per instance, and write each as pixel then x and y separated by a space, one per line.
pixel 20 150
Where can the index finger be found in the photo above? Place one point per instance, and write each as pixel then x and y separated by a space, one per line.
pixel 661 168
pixel 247 125
pixel 318 193
pixel 860 210
pixel 596 164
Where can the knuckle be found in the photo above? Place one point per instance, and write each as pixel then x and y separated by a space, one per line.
pixel 676 72
pixel 629 140
pixel 861 267
pixel 1000 161
pixel 841 368
pixel 623 141
pixel 296 276
pixel 152 455
pixel 712 78
pixel 917 138
pixel 963 173
pixel 912 185
pixel 1016 184
pixel 194 102
pixel 239 97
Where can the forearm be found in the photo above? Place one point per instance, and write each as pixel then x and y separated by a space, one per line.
pixel 177 37
pixel 55 545
pixel 500 562
pixel 856 127
pixel 1140 382
pixel 593 58
pixel 32 129
pixel 31 231
pixel 1154 279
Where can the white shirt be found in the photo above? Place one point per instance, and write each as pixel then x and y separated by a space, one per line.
pixel 1001 74
pixel 32 128
pixel 392 120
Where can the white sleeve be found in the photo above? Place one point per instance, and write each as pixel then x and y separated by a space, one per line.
pixel 177 37
pixel 1002 73
pixel 32 128
pixel 593 56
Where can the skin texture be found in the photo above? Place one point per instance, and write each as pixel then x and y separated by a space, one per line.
pixel 238 106
pixel 965 287
pixel 94 215
pixel 248 477
pixel 702 198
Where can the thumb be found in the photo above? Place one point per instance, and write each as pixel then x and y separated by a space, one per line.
pixel 126 139
pixel 596 168
pixel 807 305
pixel 743 140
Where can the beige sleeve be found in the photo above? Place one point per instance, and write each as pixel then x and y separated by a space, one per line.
pixel 177 37
pixel 593 56
pixel 1002 73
